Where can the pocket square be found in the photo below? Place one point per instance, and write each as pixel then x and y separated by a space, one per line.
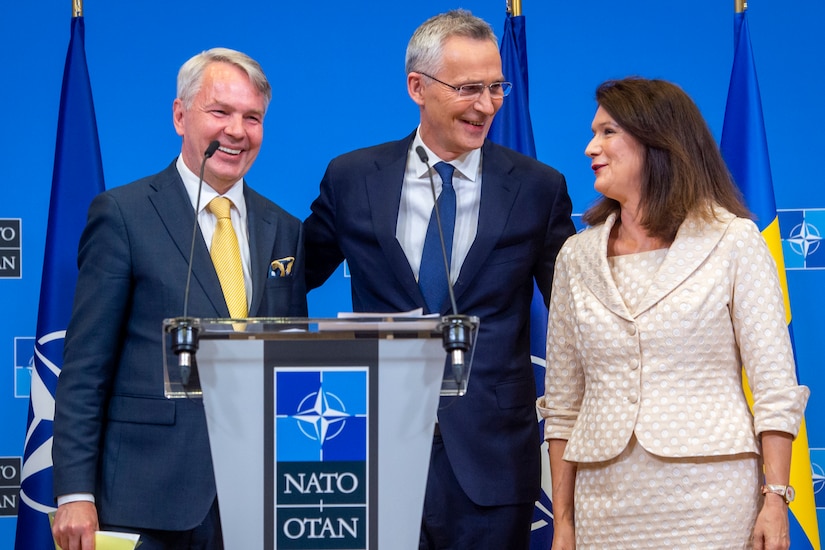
pixel 282 267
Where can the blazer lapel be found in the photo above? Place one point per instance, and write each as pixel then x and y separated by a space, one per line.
pixel 498 192
pixel 262 225
pixel 384 195
pixel 594 269
pixel 694 242
pixel 175 210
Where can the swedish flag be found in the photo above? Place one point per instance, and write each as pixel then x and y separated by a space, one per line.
pixel 745 149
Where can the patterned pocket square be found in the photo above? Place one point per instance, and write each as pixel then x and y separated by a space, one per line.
pixel 282 267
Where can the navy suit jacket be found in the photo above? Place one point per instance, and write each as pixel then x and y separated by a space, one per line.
pixel 144 457
pixel 491 434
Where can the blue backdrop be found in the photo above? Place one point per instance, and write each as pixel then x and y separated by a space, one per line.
pixel 337 69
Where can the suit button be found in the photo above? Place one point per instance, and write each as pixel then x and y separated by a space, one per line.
pixel 632 330
pixel 633 398
pixel 634 364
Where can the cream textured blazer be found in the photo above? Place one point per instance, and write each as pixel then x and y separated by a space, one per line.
pixel 671 373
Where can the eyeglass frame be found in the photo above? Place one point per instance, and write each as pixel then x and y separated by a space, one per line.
pixel 506 87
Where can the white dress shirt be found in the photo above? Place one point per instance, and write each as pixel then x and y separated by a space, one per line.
pixel 207 220
pixel 417 205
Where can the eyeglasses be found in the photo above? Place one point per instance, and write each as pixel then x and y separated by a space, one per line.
pixel 498 90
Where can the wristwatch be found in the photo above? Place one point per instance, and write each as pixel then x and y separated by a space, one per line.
pixel 785 491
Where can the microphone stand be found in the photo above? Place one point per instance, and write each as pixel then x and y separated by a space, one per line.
pixel 456 329
pixel 185 329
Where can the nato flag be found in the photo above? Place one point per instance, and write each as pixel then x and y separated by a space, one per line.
pixel 77 177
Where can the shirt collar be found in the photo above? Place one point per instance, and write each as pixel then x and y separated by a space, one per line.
pixel 190 182
pixel 467 164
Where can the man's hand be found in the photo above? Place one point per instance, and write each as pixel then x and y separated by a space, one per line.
pixel 74 526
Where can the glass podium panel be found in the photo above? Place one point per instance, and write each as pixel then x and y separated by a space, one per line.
pixel 182 337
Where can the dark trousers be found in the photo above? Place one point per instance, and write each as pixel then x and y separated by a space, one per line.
pixel 206 536
pixel 451 521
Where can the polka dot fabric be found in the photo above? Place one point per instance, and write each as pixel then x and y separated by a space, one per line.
pixel 644 381
pixel 667 365
pixel 641 501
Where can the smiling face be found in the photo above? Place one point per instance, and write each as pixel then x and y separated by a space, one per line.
pixel 617 159
pixel 227 108
pixel 451 125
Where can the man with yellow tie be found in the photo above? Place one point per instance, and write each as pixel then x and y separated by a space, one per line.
pixel 126 458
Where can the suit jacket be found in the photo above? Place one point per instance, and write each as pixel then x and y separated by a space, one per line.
pixel 146 458
pixel 671 372
pixel 524 217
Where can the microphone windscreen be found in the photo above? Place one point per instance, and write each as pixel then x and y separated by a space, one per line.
pixel 211 149
pixel 422 154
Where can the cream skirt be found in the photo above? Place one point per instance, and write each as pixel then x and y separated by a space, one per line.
pixel 639 500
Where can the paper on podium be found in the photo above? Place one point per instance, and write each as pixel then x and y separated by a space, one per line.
pixel 385 321
pixel 419 312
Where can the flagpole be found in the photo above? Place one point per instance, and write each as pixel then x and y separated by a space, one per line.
pixel 77 8
pixel 514 7
pixel 740 5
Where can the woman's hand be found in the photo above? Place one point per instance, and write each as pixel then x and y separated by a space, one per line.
pixel 564 535
pixel 771 531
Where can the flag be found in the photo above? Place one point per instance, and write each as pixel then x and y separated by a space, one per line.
pixel 77 177
pixel 512 128
pixel 745 148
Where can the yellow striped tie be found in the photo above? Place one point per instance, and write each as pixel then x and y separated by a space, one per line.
pixel 226 255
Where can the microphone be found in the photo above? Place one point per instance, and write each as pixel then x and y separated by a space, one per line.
pixel 210 150
pixel 185 329
pixel 456 329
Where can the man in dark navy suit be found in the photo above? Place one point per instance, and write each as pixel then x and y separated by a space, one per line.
pixel 511 217
pixel 126 458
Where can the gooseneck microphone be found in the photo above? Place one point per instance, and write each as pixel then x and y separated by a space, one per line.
pixel 185 329
pixel 456 329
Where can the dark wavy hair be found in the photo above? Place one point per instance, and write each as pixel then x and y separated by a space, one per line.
pixel 684 173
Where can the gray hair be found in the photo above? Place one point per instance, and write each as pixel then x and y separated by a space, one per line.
pixel 425 50
pixel 190 76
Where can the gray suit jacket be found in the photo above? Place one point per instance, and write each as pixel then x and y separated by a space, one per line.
pixel 146 458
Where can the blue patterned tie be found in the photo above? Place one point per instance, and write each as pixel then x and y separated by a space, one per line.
pixel 432 278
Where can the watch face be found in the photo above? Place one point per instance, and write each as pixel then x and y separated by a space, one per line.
pixel 790 494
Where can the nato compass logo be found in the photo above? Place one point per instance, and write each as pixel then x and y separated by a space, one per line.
pixel 36 474
pixel 321 454
pixel 802 237
pixel 818 456
pixel 23 366
pixel 321 416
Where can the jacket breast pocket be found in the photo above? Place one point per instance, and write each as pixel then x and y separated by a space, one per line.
pixel 517 252
pixel 516 393
pixel 277 297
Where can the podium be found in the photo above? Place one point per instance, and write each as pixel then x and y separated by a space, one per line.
pixel 320 429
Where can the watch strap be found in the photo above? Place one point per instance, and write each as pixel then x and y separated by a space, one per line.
pixel 785 491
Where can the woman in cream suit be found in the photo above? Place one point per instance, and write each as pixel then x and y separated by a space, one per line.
pixel 655 309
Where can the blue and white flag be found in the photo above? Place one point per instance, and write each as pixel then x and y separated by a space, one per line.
pixel 512 128
pixel 77 178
